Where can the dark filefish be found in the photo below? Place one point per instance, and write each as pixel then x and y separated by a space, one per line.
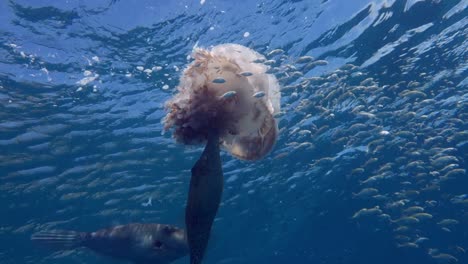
pixel 139 243
pixel 206 187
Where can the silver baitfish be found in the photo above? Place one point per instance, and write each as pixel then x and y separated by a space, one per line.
pixel 219 80
pixel 136 242
pixel 229 94
pixel 259 94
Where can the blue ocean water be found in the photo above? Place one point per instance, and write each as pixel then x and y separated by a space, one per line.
pixel 374 126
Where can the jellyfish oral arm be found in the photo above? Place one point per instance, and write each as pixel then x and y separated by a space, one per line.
pixel 206 187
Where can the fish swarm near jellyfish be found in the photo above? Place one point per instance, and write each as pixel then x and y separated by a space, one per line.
pixel 245 122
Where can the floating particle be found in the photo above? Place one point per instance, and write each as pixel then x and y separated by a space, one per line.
pixel 219 80
pixel 128 75
pixel 95 58
pixel 140 68
pixel 79 89
pixel 165 87
pixel 202 2
pixel 148 71
pixel 156 68
pixel 246 34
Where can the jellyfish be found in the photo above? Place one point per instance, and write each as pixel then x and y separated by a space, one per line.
pixel 225 99
pixel 220 91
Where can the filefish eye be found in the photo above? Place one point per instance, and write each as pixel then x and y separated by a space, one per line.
pixel 168 229
pixel 157 244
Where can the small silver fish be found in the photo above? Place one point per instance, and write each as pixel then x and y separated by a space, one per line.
pixel 259 94
pixel 259 60
pixel 420 240
pixel 246 74
pixel 229 94
pixel 275 52
pixel 304 59
pixel 219 80
pixel 320 62
pixel 367 212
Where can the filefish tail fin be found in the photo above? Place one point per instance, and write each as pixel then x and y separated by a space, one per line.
pixel 59 239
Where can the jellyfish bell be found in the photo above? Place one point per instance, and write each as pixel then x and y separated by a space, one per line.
pixel 219 92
